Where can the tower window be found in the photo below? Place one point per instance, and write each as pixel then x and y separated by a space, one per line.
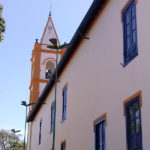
pixel 133 124
pixel 130 32
pixel 49 69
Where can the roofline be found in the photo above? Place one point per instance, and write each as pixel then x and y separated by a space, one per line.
pixel 75 41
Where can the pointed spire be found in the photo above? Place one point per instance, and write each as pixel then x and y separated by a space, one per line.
pixel 49 31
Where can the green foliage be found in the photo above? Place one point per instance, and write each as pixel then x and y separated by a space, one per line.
pixel 10 141
pixel 2 24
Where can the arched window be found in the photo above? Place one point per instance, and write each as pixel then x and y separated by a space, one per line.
pixel 49 69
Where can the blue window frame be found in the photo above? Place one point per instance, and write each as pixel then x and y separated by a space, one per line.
pixel 133 125
pixel 130 32
pixel 100 135
pixel 52 116
pixel 64 109
pixel 40 131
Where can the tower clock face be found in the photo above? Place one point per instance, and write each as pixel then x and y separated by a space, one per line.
pixel 50 29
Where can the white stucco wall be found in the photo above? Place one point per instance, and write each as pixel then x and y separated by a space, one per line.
pixel 41 87
pixel 29 136
pixel 98 84
pixel 46 140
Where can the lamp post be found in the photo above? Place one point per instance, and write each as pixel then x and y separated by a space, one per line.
pixel 26 105
pixel 54 42
pixel 14 131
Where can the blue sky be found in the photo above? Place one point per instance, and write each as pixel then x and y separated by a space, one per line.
pixel 25 21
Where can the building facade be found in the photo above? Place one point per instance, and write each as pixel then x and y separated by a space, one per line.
pixel 43 63
pixel 103 89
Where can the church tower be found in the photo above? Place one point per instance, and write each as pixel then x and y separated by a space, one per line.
pixel 43 61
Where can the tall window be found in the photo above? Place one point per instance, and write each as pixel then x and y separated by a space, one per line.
pixel 49 69
pixel 133 124
pixel 40 130
pixel 63 145
pixel 64 109
pixel 100 134
pixel 130 32
pixel 52 116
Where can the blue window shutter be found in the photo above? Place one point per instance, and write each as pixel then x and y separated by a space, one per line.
pixel 52 116
pixel 128 35
pixel 130 32
pixel 103 131
pixel 40 131
pixel 51 119
pixel 133 125
pixel 97 136
pixel 134 29
pixel 64 104
pixel 100 135
pixel 65 100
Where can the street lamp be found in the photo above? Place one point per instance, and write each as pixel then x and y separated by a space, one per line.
pixel 23 103
pixel 54 42
pixel 14 131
